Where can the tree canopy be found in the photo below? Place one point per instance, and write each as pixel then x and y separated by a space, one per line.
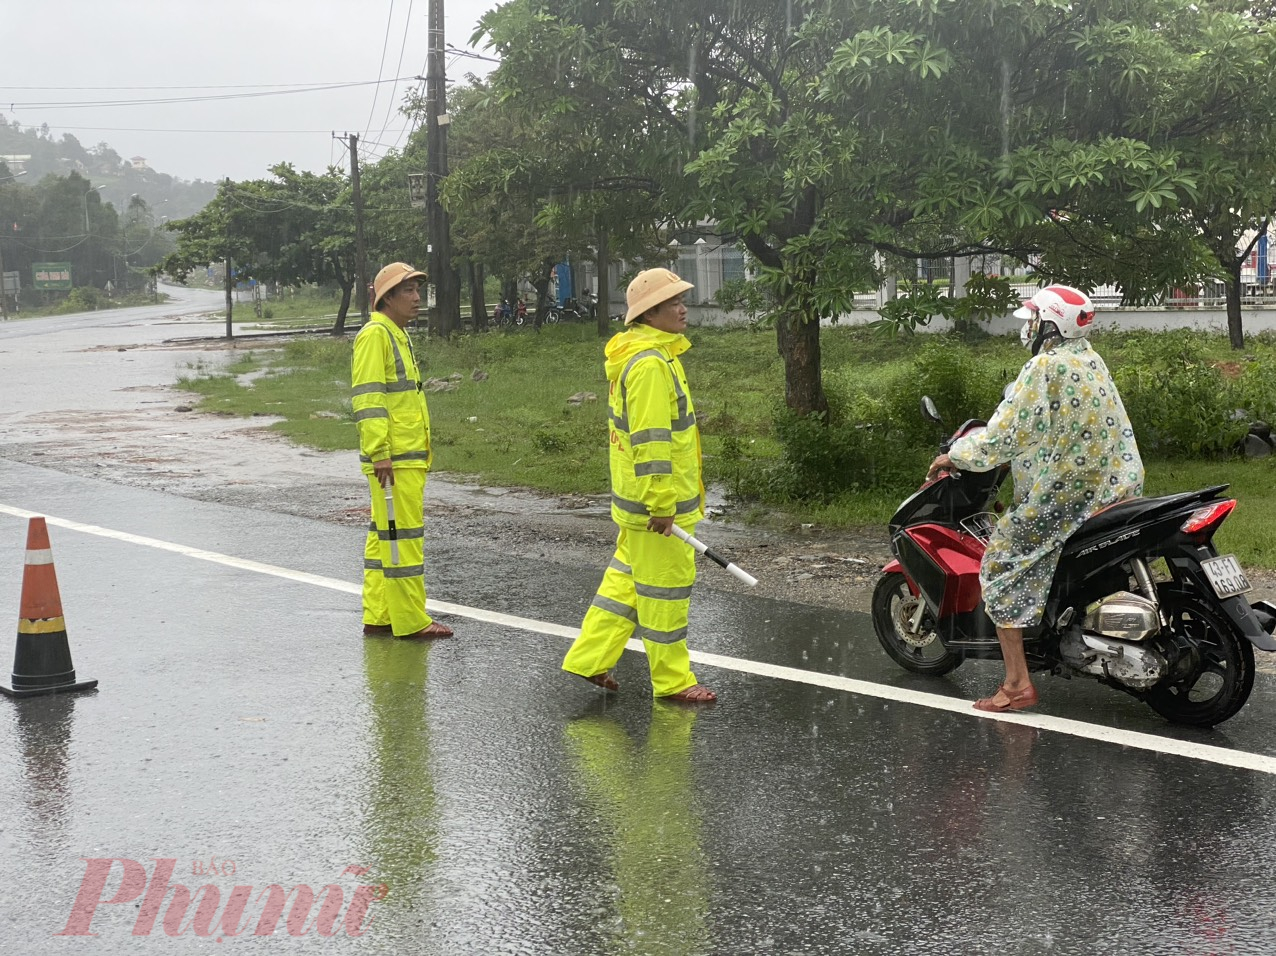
pixel 297 227
pixel 822 134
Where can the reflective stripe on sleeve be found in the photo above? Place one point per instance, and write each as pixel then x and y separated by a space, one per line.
pixel 649 435
pixel 624 504
pixel 644 468
pixel 404 456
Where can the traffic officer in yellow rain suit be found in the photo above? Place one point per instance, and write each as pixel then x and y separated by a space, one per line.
pixel 655 482
pixel 394 451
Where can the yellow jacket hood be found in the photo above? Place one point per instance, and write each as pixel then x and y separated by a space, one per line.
pixel 625 345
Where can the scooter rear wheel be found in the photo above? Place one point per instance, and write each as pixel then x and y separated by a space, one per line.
pixel 920 651
pixel 1220 671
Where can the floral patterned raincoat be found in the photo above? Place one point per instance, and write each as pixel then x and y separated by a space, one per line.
pixel 1068 439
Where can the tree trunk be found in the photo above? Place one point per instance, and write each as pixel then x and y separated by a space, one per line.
pixel 1235 332
pixel 602 304
pixel 339 326
pixel 541 285
pixel 478 301
pixel 798 340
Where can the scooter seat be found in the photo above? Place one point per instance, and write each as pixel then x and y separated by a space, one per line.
pixel 1117 515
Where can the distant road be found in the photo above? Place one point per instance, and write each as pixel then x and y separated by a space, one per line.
pixel 182 302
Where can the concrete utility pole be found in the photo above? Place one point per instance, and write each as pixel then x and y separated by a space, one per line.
pixel 447 313
pixel 4 294
pixel 360 248
pixel 230 283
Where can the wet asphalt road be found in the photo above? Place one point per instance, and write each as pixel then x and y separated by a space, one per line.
pixel 508 808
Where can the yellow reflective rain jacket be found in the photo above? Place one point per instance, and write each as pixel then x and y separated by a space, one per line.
pixel 389 405
pixel 655 444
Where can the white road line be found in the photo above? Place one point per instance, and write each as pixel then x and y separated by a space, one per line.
pixel 1241 759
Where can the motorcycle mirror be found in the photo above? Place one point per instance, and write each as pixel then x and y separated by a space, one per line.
pixel 929 411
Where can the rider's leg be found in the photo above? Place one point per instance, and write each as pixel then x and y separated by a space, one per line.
pixel 1012 652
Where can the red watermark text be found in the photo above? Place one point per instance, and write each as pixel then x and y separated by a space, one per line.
pixel 201 911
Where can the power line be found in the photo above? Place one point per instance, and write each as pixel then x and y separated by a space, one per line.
pixel 385 123
pixel 170 129
pixel 389 20
pixel 231 86
pixel 457 51
pixel 88 104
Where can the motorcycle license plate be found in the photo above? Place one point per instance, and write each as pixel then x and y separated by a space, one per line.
pixel 1226 576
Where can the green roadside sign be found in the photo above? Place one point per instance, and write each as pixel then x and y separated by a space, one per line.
pixel 51 275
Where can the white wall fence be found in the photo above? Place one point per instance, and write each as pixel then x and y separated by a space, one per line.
pixel 708 263
pixel 1253 319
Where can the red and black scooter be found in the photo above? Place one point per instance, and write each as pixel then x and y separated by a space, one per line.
pixel 1141 600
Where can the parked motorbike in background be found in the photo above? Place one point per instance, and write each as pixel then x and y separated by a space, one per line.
pixel 1141 600
pixel 569 311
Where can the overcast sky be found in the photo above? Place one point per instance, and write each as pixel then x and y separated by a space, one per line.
pixel 163 49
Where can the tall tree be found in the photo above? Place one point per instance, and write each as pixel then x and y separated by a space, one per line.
pixel 295 228
pixel 531 188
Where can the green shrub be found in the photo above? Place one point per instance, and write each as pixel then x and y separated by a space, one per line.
pixel 962 383
pixel 1257 390
pixel 81 299
pixel 823 460
pixel 1180 403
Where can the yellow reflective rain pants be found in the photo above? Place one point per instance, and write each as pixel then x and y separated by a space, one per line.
pixel 395 593
pixel 645 592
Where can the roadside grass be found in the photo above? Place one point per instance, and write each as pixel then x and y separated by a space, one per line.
pixel 1250 530
pixel 516 427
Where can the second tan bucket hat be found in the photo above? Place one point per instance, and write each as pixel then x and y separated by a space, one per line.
pixel 391 276
pixel 651 287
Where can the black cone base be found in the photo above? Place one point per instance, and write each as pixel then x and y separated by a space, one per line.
pixel 55 689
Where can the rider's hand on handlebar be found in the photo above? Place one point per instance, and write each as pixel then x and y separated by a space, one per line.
pixel 940 465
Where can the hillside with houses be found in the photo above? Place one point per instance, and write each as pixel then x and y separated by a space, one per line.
pixel 36 152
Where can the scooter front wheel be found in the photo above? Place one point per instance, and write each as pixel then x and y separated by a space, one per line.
pixel 914 647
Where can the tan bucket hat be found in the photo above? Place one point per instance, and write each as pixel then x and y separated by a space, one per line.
pixel 391 276
pixel 651 287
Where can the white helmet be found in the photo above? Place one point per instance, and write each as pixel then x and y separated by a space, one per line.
pixel 1068 310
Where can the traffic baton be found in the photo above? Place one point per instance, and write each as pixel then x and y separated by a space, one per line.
pixel 389 523
pixel 713 556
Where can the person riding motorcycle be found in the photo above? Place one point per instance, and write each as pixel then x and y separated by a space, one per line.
pixel 1065 433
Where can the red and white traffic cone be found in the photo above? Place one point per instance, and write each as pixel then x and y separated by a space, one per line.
pixel 42 659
